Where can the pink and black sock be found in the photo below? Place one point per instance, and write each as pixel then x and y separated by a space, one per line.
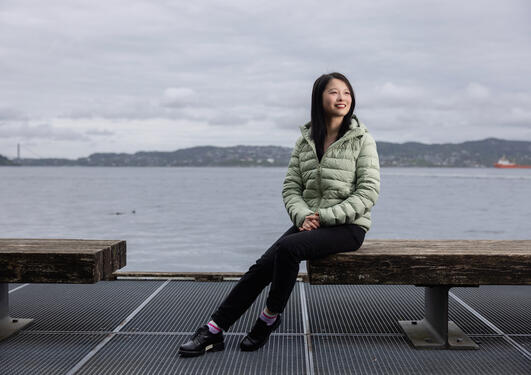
pixel 213 327
pixel 268 318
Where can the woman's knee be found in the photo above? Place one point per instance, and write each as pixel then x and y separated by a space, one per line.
pixel 266 261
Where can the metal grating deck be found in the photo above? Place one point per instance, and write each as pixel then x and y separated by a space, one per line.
pixel 506 306
pixel 79 307
pixel 525 341
pixel 136 327
pixel 392 355
pixel 377 309
pixel 170 310
pixel 155 353
pixel 53 353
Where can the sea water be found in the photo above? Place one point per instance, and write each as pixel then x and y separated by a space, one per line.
pixel 224 218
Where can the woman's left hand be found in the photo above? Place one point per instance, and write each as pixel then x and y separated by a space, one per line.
pixel 310 222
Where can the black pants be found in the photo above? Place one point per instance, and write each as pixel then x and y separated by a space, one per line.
pixel 280 266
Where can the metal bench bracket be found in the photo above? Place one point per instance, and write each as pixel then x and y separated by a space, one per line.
pixel 8 325
pixel 435 331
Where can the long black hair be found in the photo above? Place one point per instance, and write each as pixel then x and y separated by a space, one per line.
pixel 318 124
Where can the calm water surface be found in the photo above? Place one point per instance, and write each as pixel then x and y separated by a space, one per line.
pixel 223 219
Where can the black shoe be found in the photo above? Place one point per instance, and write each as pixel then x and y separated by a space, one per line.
pixel 259 335
pixel 201 341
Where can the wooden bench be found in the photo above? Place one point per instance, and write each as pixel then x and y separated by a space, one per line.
pixel 53 261
pixel 435 265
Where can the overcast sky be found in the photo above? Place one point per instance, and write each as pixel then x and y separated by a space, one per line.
pixel 78 77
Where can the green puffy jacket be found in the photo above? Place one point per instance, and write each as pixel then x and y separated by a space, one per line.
pixel 342 188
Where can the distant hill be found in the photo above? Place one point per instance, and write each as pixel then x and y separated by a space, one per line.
pixel 5 161
pixel 467 154
pixel 194 156
pixel 411 154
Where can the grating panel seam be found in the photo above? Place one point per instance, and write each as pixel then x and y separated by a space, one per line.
pixel 309 334
pixel 93 352
pixel 308 352
pixel 17 288
pixel 518 347
pixel 146 333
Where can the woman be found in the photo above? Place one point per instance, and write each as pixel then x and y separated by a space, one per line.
pixel 333 180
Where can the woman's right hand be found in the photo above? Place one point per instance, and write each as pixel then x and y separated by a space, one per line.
pixel 310 222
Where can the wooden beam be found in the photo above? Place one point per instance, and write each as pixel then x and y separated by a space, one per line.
pixel 60 260
pixel 426 262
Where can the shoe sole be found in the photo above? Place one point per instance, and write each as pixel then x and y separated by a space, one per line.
pixel 209 348
pixel 253 348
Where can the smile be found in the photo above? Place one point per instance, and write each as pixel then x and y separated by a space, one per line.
pixel 341 105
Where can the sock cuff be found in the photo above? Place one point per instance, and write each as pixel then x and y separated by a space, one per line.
pixel 269 316
pixel 214 325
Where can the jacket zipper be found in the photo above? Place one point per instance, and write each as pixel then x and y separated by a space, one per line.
pixel 319 172
pixel 312 145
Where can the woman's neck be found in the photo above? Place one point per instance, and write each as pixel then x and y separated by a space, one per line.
pixel 333 124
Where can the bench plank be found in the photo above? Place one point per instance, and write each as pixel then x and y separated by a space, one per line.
pixel 60 260
pixel 422 262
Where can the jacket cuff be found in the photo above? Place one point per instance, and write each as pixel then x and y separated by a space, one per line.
pixel 300 217
pixel 325 217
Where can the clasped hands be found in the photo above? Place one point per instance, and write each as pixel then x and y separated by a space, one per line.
pixel 310 222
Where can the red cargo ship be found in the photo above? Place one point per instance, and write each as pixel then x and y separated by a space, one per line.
pixel 505 163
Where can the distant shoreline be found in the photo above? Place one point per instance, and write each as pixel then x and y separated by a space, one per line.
pixel 472 154
pixel 248 166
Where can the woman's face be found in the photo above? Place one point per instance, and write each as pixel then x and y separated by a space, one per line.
pixel 336 98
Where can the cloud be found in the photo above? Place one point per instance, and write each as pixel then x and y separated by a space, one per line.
pixel 519 116
pixel 390 94
pixel 98 132
pixel 477 91
pixel 178 97
pixel 23 130
pixel 438 72
pixel 7 113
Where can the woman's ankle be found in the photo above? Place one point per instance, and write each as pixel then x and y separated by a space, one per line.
pixel 213 327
